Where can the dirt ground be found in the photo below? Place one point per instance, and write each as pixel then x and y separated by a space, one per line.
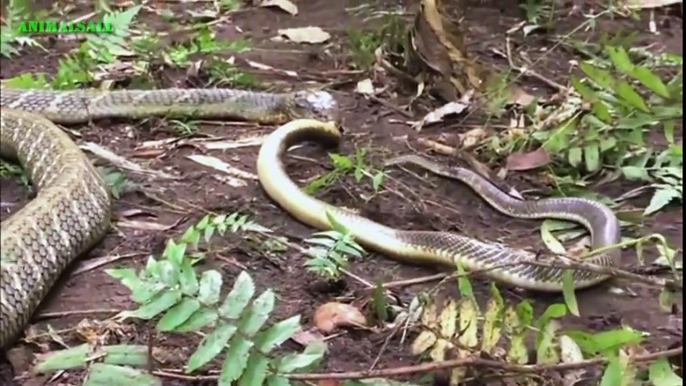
pixel 86 294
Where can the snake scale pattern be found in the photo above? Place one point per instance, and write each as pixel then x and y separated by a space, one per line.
pixel 71 212
pixel 498 262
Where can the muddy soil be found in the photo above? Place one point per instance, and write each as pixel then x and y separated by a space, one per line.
pixel 86 296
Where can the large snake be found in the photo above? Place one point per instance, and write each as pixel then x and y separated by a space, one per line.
pixel 71 212
pixel 496 261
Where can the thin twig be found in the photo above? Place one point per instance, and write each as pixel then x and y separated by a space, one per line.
pixel 477 362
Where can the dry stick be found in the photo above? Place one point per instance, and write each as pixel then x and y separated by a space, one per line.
pixel 478 362
pixel 433 366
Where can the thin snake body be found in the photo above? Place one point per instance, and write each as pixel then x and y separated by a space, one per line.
pixel 71 212
pixel 497 261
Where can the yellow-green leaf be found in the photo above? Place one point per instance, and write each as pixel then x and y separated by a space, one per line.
pixel 625 91
pixel 568 292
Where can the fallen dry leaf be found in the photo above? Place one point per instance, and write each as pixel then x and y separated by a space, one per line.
pixel 519 96
pixel 365 87
pixel 285 5
pixel 639 4
pixel 452 108
pixel 311 35
pixel 519 161
pixel 222 166
pixel 472 138
pixel 332 315
pixel 305 337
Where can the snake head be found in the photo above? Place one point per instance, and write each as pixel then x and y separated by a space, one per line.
pixel 319 105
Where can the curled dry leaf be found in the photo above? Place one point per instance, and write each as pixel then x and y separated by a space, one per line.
pixel 311 35
pixel 437 47
pixel 332 315
pixel 282 4
pixel 451 108
pixel 305 337
pixel 519 161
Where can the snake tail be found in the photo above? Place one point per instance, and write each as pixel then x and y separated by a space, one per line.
pixel 69 215
pixel 497 261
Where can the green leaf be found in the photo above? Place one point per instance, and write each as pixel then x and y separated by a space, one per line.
pixel 146 292
pixel 211 345
pixel 515 330
pixel 125 355
pixel 72 358
pixel 463 284
pixel 169 274
pixel 236 360
pixel 178 314
pixel 275 380
pixel 255 372
pixel 187 278
pixel 377 180
pixel 605 341
pixel 101 374
pixel 175 252
pixel 568 292
pixel 210 287
pixel 341 161
pixel 625 91
pixel 613 373
pixel 257 314
pixel 379 302
pixel 336 225
pixel 239 297
pixel 574 156
pixel 556 310
pixel 161 303
pixel 608 143
pixel 592 157
pixel 492 320
pixel 602 111
pixel 546 352
pixel 660 199
pixel 651 81
pixel 312 353
pixel 549 239
pixel 600 76
pixel 278 333
pixel 558 140
pixel 586 92
pixel 127 276
pixel 200 319
pixel 661 373
pixel 620 58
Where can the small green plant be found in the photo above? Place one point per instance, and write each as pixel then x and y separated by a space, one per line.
pixel 540 14
pixel 344 165
pixel 462 328
pixel 17 11
pixel 363 44
pixel 603 124
pixel 170 290
pixel 9 170
pixel 331 250
pixel 76 68
pixel 203 42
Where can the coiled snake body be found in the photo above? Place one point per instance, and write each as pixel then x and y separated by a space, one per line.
pixel 497 261
pixel 71 211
